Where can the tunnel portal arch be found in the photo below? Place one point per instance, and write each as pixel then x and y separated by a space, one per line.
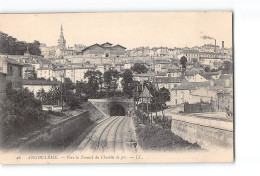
pixel 117 110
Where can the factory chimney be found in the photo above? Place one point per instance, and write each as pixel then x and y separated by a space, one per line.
pixel 215 46
pixel 222 49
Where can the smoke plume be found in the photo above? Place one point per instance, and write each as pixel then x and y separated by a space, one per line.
pixel 207 37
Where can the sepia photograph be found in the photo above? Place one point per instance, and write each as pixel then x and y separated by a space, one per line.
pixel 116 87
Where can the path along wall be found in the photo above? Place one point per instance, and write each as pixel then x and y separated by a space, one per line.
pixel 209 133
pixel 59 136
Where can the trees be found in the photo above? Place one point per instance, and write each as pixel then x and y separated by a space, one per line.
pixel 228 67
pixel 22 112
pixel 94 81
pixel 164 95
pixel 11 46
pixel 110 79
pixel 139 68
pixel 129 84
pixel 183 62
pixel 160 97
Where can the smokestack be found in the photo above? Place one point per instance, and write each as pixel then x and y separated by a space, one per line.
pixel 222 49
pixel 215 45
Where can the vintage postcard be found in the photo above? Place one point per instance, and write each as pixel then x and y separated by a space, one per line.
pixel 128 87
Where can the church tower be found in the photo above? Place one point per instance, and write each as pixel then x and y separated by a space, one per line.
pixel 61 41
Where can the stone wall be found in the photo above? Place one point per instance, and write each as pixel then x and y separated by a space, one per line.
pixel 209 133
pixel 59 136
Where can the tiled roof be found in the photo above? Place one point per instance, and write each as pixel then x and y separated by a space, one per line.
pixel 191 86
pixel 168 80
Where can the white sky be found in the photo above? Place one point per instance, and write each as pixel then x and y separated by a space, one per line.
pixel 171 29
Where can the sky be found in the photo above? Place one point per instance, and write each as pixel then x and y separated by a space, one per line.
pixel 129 29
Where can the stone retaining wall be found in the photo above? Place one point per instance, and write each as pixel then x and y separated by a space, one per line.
pixel 209 133
pixel 59 136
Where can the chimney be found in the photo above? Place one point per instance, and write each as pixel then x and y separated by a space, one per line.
pixel 222 49
pixel 215 46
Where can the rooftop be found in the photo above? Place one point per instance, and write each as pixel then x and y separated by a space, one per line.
pixel 191 85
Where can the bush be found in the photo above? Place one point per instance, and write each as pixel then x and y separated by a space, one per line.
pixel 74 103
pixel 22 113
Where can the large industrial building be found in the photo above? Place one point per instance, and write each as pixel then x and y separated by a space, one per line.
pixel 105 50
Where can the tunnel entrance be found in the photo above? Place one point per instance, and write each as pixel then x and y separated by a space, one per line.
pixel 117 110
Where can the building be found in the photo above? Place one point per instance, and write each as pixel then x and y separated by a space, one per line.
pixel 36 85
pixel 168 82
pixel 13 71
pixel 77 73
pixel 205 94
pixel 182 93
pixel 143 76
pixel 60 50
pixel 46 73
pixel 2 86
pixel 194 76
pixel 61 40
pixel 162 65
pixel 105 50
pixel 28 71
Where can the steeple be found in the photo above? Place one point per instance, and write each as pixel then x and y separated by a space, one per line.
pixel 61 41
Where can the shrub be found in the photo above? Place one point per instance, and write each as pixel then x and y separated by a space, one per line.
pixel 22 113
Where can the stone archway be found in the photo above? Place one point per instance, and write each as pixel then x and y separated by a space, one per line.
pixel 117 110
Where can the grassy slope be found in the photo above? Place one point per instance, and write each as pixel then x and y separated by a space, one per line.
pixel 154 137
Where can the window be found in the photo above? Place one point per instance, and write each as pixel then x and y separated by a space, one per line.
pixel 10 70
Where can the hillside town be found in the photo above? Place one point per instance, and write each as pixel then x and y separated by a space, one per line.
pixel 202 76
pixel 161 80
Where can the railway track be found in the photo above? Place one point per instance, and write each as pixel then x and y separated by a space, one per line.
pixel 110 134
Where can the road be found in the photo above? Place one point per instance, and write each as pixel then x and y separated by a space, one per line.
pixel 113 134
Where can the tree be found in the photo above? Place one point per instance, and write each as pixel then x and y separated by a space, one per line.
pixel 68 85
pixel 160 97
pixel 183 62
pixel 81 87
pixel 164 95
pixel 128 83
pixel 214 70
pixel 42 95
pixel 207 69
pixel 94 81
pixel 139 68
pixel 110 79
pixel 228 67
pixel 22 112
pixel 53 96
pixel 11 46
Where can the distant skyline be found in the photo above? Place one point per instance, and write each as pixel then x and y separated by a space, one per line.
pixel 130 29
